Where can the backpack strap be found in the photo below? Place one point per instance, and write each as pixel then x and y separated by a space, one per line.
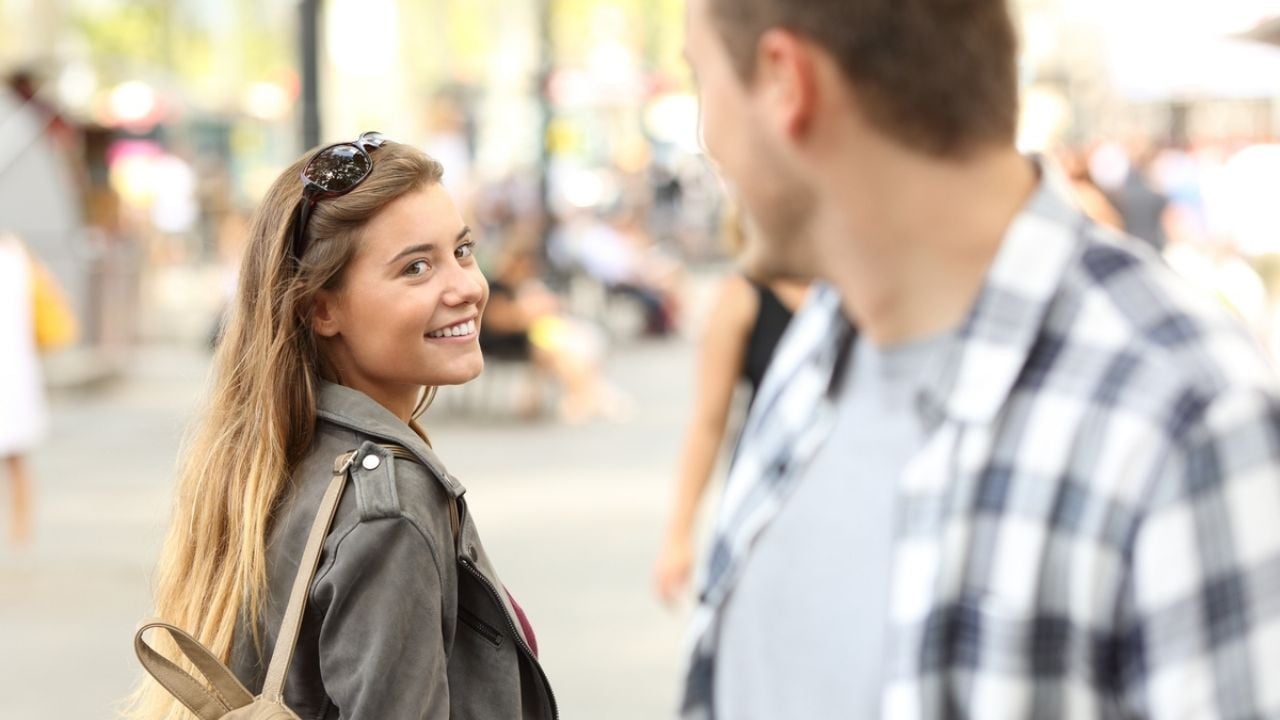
pixel 278 668
pixel 224 692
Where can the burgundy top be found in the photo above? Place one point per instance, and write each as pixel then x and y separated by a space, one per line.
pixel 524 624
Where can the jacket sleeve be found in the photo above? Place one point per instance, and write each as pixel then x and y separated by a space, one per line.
pixel 1205 634
pixel 382 651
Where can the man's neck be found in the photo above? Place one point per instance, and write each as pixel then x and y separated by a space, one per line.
pixel 908 240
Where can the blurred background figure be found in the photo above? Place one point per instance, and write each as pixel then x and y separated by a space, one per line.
pixel 1093 201
pixel 1126 181
pixel 23 416
pixel 618 255
pixel 738 340
pixel 525 323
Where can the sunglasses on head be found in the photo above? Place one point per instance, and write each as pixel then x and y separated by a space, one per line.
pixel 333 171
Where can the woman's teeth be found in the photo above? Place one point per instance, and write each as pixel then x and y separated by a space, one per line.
pixel 465 328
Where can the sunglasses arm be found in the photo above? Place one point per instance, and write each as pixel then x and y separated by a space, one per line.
pixel 300 223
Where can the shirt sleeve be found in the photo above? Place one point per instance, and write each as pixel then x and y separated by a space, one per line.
pixel 382 651
pixel 1203 636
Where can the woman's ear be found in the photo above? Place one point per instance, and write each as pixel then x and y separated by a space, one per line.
pixel 325 314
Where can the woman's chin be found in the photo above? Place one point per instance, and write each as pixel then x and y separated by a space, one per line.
pixel 460 374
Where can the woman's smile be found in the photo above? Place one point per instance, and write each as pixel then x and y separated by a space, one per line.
pixel 460 332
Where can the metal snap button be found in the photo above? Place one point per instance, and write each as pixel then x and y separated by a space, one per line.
pixel 370 462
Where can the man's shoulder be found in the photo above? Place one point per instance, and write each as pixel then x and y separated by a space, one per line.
pixel 1122 305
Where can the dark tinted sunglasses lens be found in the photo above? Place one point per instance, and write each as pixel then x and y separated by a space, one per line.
pixel 338 168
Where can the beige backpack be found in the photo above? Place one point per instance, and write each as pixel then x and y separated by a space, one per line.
pixel 224 697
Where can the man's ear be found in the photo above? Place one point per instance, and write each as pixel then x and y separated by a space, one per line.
pixel 325 314
pixel 785 80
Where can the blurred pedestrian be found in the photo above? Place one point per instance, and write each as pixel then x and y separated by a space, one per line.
pixel 1142 207
pixel 746 322
pixel 359 293
pixel 1085 190
pixel 1044 481
pixel 23 415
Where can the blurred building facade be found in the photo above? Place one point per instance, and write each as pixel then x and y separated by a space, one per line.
pixel 183 111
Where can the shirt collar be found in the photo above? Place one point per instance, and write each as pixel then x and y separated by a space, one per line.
pixel 356 411
pixel 975 374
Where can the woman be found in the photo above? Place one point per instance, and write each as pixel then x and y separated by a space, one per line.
pixel 745 325
pixel 358 296
pixel 23 417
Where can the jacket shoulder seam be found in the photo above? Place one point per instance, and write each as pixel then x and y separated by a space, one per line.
pixel 331 561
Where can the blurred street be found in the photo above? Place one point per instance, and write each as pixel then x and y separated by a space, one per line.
pixel 574 540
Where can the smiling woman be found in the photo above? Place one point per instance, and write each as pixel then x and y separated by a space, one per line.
pixel 359 293
pixel 394 324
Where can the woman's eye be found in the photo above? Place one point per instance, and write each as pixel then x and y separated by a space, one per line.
pixel 417 268
pixel 465 250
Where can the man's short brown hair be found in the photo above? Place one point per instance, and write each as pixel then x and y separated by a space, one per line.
pixel 938 75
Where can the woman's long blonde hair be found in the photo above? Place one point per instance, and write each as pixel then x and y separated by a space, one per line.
pixel 259 417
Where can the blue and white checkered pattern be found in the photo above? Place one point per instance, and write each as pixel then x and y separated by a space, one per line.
pixel 1092 527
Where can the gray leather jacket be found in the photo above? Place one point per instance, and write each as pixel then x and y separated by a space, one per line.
pixel 401 622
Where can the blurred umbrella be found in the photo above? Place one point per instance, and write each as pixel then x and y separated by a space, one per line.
pixel 1159 50
pixel 1171 68
pixel 1266 31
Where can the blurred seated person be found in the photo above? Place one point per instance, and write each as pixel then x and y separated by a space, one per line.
pixel 523 322
pixel 620 255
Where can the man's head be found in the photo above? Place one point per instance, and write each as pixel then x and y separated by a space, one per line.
pixel 780 78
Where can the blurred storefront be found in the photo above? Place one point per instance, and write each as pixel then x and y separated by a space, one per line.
pixel 1178 101
pixel 184 110
pixel 1174 71
pixel 165 117
pixel 543 111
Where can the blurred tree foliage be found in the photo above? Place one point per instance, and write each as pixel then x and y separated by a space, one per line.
pixel 655 28
pixel 125 36
pixel 210 50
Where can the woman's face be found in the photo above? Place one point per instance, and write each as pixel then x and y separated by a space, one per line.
pixel 408 312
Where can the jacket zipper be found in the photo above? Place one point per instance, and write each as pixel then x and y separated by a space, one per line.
pixel 515 632
pixel 473 621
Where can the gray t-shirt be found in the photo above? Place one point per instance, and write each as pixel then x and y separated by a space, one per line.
pixel 803 632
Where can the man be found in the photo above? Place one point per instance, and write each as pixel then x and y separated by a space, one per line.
pixel 1045 480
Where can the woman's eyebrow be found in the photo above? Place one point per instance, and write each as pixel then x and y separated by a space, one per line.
pixel 426 248
pixel 422 248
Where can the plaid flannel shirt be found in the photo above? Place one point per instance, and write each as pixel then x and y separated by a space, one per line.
pixel 1092 525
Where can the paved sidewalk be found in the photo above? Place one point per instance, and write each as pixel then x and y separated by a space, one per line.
pixel 570 515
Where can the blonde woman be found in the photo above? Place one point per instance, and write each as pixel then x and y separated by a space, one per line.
pixel 746 323
pixel 358 295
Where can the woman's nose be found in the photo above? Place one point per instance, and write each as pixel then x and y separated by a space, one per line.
pixel 466 286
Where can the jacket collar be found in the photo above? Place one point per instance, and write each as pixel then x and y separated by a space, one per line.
pixel 976 373
pixel 356 411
